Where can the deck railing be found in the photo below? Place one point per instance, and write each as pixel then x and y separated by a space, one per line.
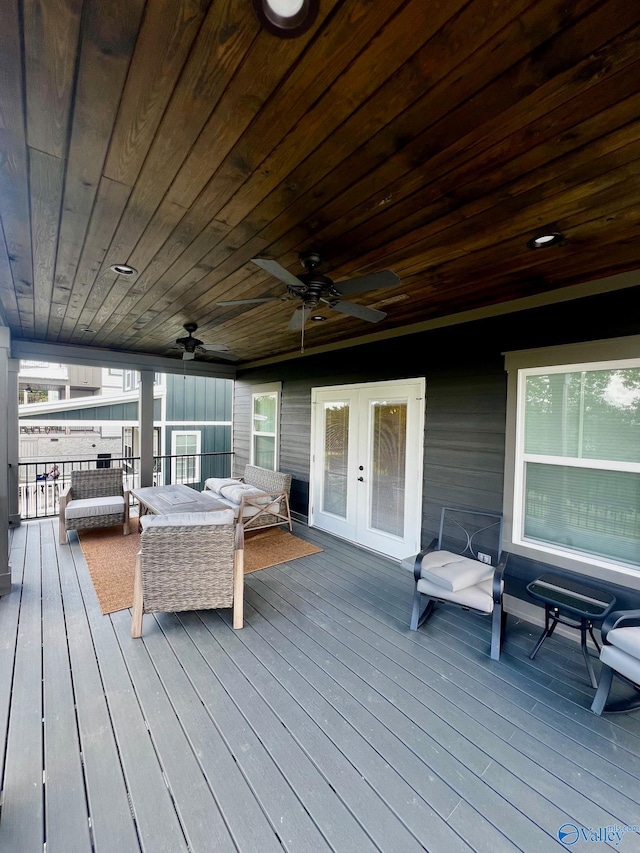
pixel 40 483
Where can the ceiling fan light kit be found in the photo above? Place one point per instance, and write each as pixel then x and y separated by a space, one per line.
pixel 190 345
pixel 286 18
pixel 316 290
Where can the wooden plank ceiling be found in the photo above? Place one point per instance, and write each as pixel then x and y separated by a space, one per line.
pixel 433 139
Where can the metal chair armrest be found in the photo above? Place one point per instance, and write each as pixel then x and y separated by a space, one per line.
pixel 417 566
pixel 498 578
pixel 617 619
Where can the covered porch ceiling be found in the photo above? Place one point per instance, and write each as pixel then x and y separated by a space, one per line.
pixel 432 139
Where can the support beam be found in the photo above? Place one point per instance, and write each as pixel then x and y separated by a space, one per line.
pixel 5 568
pixel 13 442
pixel 146 427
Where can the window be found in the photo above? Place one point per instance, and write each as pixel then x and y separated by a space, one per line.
pixel 187 445
pixel 130 380
pixel 264 427
pixel 576 478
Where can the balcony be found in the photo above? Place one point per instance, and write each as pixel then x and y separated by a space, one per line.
pixel 40 483
pixel 324 725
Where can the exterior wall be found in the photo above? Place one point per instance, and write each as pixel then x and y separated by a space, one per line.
pixel 66 447
pixel 194 398
pixel 465 399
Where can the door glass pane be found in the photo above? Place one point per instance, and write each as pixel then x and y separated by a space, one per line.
pixel 336 458
pixel 388 466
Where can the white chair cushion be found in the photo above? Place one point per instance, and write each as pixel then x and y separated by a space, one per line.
pixel 453 572
pixel 477 597
pixel 89 507
pixel 622 662
pixel 214 484
pixel 627 639
pixel 187 519
pixel 237 491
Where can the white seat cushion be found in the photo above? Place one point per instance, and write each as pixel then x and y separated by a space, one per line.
pixel 187 519
pixel 477 597
pixel 89 507
pixel 625 664
pixel 627 639
pixel 453 572
pixel 237 491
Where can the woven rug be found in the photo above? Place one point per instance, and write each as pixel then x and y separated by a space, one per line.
pixel 111 558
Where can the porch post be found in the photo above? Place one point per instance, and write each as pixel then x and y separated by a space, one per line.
pixel 145 407
pixel 5 568
pixel 13 439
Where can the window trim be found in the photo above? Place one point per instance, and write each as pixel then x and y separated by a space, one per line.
pixel 616 353
pixel 198 451
pixel 271 389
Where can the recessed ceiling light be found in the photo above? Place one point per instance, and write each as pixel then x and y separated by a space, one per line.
pixel 286 18
pixel 541 241
pixel 92 331
pixel 123 269
pixel 318 318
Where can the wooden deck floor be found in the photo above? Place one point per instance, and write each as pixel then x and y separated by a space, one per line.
pixel 324 725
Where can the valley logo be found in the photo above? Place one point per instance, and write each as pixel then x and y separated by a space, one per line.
pixel 569 834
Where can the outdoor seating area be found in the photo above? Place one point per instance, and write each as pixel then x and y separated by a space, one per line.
pixel 325 725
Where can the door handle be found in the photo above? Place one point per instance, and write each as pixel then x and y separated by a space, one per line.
pixel 361 479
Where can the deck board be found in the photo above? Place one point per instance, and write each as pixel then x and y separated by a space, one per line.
pixel 324 725
pixel 496 739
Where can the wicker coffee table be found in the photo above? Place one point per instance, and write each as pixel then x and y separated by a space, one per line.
pixel 160 500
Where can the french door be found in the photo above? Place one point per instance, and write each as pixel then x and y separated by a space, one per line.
pixel 366 471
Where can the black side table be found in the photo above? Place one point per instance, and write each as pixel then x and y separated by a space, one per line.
pixel 579 603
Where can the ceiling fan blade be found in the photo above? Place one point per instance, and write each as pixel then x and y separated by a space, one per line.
pixel 274 268
pixel 376 280
pixel 215 347
pixel 297 319
pixel 250 301
pixel 188 356
pixel 371 315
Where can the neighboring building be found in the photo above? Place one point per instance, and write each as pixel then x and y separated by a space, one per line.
pixel 192 417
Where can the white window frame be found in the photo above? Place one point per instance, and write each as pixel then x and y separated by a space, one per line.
pixel 615 354
pixel 273 389
pixel 174 466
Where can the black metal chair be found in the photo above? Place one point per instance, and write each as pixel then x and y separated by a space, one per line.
pixel 463 565
pixel 620 655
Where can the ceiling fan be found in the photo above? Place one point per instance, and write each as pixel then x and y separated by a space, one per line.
pixel 314 290
pixel 190 345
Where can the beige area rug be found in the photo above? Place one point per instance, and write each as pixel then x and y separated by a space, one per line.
pixel 111 558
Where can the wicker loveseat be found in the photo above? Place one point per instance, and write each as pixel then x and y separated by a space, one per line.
pixel 189 561
pixel 260 498
pixel 95 498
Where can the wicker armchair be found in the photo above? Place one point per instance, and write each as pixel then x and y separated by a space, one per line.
pixel 95 498
pixel 189 561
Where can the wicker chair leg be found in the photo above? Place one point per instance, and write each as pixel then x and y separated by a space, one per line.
pixel 238 590
pixel 138 613
pixel 62 531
